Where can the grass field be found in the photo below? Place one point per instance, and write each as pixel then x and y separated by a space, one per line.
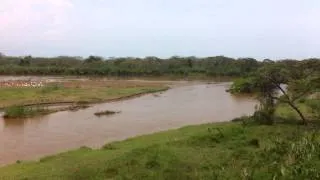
pixel 209 151
pixel 75 91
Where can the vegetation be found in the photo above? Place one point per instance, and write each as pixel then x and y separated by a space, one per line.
pixel 78 107
pixel 127 67
pixel 24 112
pixel 105 113
pixel 76 91
pixel 218 66
pixel 244 85
pixel 283 72
pixel 268 83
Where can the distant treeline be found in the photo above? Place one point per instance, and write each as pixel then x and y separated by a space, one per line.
pixel 218 66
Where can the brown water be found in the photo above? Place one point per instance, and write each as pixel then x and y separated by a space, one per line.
pixel 182 105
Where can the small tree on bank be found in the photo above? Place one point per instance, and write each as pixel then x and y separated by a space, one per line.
pixel 270 84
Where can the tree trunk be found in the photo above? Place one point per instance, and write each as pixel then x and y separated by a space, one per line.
pixel 304 120
pixel 291 103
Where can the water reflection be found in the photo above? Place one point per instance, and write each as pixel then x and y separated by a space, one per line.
pixel 14 123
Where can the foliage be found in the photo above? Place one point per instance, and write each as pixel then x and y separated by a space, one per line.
pixel 218 66
pixel 244 85
pixel 24 112
pixel 268 83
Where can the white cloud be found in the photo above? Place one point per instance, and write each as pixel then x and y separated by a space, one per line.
pixel 28 18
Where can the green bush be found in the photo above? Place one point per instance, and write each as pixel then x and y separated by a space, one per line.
pixel 263 117
pixel 24 112
pixel 244 85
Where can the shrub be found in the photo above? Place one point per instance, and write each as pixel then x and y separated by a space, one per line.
pixel 243 85
pixel 24 112
pixel 263 117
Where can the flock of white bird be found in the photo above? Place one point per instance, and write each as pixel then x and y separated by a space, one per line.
pixel 21 84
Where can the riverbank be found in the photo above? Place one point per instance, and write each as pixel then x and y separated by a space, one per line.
pixel 209 151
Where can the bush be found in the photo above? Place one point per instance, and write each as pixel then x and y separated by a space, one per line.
pixel 23 112
pixel 243 85
pixel 263 117
pixel 16 112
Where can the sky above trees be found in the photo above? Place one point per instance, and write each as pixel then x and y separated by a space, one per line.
pixel 248 28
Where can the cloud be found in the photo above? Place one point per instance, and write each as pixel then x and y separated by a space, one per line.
pixel 33 18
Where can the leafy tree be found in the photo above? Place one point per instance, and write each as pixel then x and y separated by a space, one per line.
pixel 271 82
pixel 25 61
pixel 93 59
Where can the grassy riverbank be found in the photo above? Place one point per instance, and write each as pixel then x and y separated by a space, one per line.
pixel 25 112
pixel 209 151
pixel 75 91
pixel 18 112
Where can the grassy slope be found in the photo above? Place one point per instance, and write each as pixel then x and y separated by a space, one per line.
pixel 210 151
pixel 285 111
pixel 18 96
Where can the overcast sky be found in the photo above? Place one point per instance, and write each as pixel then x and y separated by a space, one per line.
pixel 237 28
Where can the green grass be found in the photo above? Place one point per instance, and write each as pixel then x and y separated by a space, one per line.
pixel 209 151
pixel 21 96
pixel 307 107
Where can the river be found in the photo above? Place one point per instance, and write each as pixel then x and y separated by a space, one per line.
pixel 192 103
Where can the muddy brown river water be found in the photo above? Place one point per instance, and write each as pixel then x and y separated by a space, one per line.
pixel 30 139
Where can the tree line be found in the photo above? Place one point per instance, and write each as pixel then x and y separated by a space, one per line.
pixel 218 66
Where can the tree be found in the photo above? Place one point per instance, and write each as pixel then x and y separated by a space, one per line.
pixel 190 61
pixel 25 61
pixel 271 80
pixel 93 59
pixel 267 61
